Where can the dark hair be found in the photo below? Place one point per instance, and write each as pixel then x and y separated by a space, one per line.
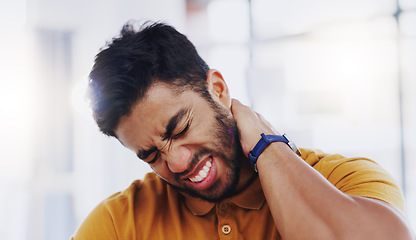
pixel 126 68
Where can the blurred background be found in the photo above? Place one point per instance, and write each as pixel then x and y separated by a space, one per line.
pixel 335 75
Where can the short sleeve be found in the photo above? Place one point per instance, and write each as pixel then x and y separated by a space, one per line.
pixel 359 177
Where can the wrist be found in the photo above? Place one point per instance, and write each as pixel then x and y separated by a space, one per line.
pixel 264 142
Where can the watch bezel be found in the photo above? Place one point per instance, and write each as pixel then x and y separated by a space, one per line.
pixel 292 145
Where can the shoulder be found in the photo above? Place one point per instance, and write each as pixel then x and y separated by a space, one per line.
pixel 336 166
pixel 332 165
pixel 114 215
pixel 356 176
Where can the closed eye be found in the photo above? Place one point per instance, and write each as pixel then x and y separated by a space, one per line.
pixel 171 126
pixel 145 154
pixel 176 136
pixel 155 158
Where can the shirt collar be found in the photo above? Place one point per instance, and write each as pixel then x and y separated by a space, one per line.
pixel 250 198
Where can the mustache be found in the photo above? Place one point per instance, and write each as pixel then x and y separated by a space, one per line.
pixel 195 160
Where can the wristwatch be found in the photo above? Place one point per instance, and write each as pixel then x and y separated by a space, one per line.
pixel 264 141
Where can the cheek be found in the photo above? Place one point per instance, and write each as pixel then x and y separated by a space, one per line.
pixel 201 130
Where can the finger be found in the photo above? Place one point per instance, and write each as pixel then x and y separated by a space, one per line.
pixel 235 103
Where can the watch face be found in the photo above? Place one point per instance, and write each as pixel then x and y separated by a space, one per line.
pixel 294 148
pixel 292 145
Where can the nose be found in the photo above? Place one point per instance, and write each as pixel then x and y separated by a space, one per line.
pixel 178 159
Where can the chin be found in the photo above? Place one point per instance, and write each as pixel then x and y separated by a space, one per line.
pixel 215 194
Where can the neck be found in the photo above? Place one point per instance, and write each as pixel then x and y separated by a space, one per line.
pixel 247 175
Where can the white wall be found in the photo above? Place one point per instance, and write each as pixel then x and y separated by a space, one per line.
pixel 325 72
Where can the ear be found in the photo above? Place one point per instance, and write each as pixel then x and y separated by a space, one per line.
pixel 218 88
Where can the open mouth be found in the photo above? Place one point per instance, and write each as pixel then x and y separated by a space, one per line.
pixel 203 173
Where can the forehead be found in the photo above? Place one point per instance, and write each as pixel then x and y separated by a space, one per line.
pixel 162 100
pixel 149 117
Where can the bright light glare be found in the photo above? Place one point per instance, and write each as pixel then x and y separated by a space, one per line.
pixel 17 115
pixel 12 102
pixel 78 99
pixel 17 109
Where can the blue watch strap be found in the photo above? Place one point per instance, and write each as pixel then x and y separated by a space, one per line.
pixel 264 141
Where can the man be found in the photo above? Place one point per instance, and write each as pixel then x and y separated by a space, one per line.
pixel 220 170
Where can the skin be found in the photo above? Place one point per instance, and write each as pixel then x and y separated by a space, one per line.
pixel 201 134
pixel 297 209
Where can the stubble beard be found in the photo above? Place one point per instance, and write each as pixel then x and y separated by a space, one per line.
pixel 228 149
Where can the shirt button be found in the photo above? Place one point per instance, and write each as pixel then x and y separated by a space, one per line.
pixel 223 206
pixel 226 229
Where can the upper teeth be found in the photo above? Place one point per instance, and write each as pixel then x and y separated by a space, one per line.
pixel 203 173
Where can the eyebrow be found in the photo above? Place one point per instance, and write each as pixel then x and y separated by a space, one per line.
pixel 173 122
pixel 170 127
pixel 143 154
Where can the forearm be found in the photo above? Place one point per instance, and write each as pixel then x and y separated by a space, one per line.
pixel 306 206
pixel 303 203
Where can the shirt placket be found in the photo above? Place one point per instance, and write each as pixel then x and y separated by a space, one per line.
pixel 227 227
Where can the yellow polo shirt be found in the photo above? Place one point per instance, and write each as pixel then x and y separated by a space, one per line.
pixel 151 209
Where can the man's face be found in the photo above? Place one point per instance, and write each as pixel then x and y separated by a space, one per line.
pixel 190 143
